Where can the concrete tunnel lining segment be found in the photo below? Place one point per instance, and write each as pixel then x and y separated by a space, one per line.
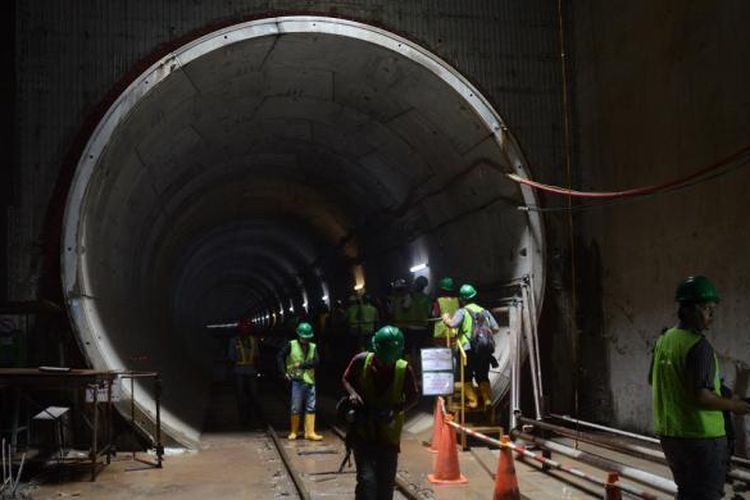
pixel 307 118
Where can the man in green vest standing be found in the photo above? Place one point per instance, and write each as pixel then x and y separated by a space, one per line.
pixel 686 398
pixel 297 361
pixel 381 387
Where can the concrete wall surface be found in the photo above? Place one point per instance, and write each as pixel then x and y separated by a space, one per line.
pixel 660 92
pixel 71 55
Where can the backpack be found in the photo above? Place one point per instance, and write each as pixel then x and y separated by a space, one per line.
pixel 482 337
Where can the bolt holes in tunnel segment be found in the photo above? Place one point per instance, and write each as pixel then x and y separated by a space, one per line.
pixel 280 105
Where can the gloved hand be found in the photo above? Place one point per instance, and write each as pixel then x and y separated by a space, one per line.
pixel 493 362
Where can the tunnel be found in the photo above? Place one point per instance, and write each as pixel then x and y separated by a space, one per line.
pixel 268 167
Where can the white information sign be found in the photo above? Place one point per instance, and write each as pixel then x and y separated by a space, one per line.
pixel 437 359
pixel 437 383
pixel 437 371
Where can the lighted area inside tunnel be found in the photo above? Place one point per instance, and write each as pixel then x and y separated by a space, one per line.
pixel 270 163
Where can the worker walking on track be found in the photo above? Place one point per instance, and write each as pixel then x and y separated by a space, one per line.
pixel 243 354
pixel 686 397
pixel 297 362
pixel 476 330
pixel 381 387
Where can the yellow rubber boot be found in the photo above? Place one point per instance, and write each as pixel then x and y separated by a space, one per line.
pixel 486 391
pixel 310 428
pixel 471 395
pixel 294 427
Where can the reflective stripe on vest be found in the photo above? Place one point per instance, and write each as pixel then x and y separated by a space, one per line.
pixel 447 305
pixel 245 357
pixel 375 426
pixel 296 355
pixel 675 411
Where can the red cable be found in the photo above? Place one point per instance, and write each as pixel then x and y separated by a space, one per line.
pixel 629 192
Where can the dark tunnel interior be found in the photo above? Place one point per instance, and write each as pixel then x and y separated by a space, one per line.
pixel 273 166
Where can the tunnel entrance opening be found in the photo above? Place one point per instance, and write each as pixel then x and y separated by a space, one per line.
pixel 269 166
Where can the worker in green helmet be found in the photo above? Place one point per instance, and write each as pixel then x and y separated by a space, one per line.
pixel 687 405
pixel 445 303
pixel 297 361
pixel 476 331
pixel 381 387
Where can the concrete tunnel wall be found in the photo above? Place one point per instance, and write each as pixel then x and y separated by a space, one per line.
pixel 264 159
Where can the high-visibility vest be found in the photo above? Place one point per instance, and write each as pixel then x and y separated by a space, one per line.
pixel 467 326
pixel 675 411
pixel 362 319
pixel 296 355
pixel 447 305
pixel 376 426
pixel 400 313
pixel 246 352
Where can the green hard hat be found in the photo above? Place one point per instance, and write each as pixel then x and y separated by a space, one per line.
pixel 467 291
pixel 446 284
pixel 388 344
pixel 697 289
pixel 305 330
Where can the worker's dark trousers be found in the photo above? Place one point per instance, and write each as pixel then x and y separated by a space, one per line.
pixel 376 471
pixel 699 466
pixel 246 388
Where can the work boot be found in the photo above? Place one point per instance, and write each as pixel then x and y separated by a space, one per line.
pixel 310 428
pixel 471 395
pixel 294 427
pixel 486 390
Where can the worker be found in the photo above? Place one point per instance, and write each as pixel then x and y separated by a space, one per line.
pixel 381 387
pixel 476 331
pixel 399 308
pixel 419 313
pixel 361 318
pixel 687 405
pixel 445 303
pixel 297 361
pixel 243 355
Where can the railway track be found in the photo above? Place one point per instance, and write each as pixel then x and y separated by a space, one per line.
pixel 314 466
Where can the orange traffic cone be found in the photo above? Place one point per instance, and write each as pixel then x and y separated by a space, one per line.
pixel 437 427
pixel 613 491
pixel 506 484
pixel 446 463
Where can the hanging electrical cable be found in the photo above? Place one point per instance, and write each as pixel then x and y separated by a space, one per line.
pixel 635 191
pixel 621 201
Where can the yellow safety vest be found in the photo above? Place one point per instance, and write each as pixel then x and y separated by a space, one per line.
pixel 246 353
pixel 296 355
pixel 376 427
pixel 447 305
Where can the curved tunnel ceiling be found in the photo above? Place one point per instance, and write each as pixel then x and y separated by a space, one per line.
pixel 246 169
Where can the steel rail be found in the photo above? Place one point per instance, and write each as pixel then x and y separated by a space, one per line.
pixel 296 479
pixel 402 485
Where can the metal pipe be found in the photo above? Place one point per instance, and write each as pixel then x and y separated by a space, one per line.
pixel 548 462
pixel 603 441
pixel 535 326
pixel 735 473
pixel 533 367
pixel 603 428
pixel 641 476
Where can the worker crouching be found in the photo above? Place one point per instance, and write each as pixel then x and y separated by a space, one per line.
pixel 297 362
pixel 381 387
